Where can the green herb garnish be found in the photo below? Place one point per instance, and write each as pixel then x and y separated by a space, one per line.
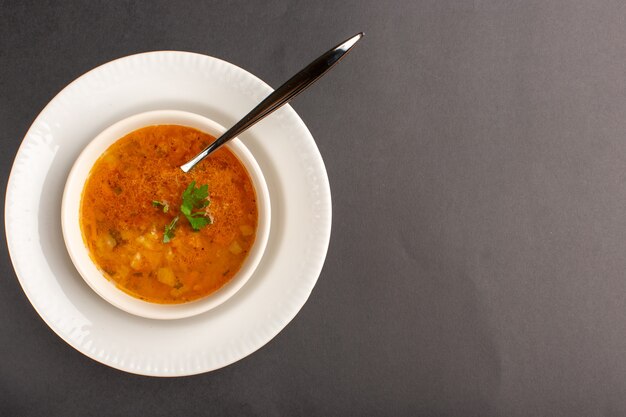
pixel 169 230
pixel 195 202
pixel 166 207
pixel 196 199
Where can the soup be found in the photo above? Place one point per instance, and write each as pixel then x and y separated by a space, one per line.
pixel 160 234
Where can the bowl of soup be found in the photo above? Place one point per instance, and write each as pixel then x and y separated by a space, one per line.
pixel 157 242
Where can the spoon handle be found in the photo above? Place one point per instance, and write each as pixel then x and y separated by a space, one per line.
pixel 280 96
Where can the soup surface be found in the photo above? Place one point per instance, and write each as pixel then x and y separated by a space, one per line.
pixel 123 216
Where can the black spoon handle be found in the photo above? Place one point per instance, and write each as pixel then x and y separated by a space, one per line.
pixel 294 86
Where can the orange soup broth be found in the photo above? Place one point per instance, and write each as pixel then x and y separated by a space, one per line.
pixel 124 232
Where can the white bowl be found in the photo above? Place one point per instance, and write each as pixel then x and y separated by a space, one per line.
pixel 79 253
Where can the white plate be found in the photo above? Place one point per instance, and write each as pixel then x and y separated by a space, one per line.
pixel 300 225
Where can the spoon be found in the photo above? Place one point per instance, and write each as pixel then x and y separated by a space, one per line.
pixel 281 96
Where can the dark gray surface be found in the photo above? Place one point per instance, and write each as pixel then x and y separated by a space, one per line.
pixel 477 159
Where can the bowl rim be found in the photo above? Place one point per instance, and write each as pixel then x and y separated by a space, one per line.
pixel 79 254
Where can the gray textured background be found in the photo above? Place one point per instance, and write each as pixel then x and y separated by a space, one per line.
pixel 477 159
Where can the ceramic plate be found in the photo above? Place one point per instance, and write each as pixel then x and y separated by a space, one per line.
pixel 300 225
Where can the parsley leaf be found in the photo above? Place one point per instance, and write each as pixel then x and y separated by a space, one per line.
pixel 198 222
pixel 196 199
pixel 169 230
pixel 166 207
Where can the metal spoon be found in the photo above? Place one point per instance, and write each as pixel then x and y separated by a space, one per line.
pixel 281 96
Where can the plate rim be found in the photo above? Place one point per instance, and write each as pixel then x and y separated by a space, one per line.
pixel 288 316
